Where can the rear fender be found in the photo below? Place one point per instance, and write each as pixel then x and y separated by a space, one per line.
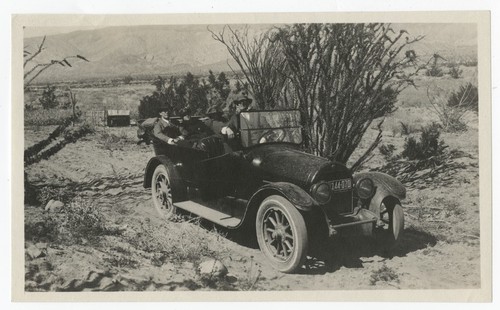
pixel 388 190
pixel 176 182
pixel 150 168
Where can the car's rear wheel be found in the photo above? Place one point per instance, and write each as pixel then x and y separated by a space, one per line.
pixel 281 233
pixel 161 191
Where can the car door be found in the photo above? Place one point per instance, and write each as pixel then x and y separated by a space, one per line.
pixel 219 176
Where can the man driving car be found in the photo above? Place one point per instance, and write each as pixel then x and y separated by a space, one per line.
pixel 241 102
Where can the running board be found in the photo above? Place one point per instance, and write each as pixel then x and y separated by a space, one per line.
pixel 212 215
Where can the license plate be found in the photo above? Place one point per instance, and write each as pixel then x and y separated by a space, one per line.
pixel 341 185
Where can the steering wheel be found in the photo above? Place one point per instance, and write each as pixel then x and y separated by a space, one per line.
pixel 273 135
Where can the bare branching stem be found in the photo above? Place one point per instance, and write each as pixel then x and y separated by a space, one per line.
pixel 340 76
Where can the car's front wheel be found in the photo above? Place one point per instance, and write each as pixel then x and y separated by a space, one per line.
pixel 281 233
pixel 161 191
pixel 393 217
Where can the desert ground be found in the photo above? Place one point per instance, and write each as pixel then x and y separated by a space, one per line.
pixel 108 236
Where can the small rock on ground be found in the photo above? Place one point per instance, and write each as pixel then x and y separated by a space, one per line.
pixel 212 267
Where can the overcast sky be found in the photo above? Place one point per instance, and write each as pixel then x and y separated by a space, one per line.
pixel 30 32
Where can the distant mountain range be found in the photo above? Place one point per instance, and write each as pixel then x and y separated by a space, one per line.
pixel 116 52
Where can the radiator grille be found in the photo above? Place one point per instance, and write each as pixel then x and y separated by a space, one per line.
pixel 341 202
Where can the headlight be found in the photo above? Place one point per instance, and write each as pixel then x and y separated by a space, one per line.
pixel 321 192
pixel 365 188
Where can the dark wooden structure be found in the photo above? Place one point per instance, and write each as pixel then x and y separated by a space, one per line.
pixel 118 118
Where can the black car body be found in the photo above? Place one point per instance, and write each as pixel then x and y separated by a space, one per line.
pixel 262 178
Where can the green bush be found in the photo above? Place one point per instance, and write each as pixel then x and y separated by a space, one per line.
pixel 42 117
pixel 455 71
pixel 451 107
pixel 387 150
pixel 407 129
pixel 176 242
pixel 428 146
pixel 466 97
pixel 48 100
pixel 383 274
pixel 47 193
pixel 175 94
pixel 150 106
pixel 78 221
pixel 434 71
pixel 41 227
pixel 128 79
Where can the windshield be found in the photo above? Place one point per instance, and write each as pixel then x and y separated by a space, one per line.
pixel 258 127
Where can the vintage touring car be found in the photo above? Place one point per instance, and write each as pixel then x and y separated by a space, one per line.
pixel 288 197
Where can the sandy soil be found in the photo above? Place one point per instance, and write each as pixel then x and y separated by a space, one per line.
pixel 440 248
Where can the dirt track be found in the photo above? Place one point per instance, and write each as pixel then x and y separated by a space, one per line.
pixel 440 247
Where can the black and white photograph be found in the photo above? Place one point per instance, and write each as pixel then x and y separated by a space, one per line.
pixel 275 154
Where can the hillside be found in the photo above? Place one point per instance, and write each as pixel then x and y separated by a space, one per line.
pixel 149 50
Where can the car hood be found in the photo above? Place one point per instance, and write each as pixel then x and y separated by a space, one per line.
pixel 282 162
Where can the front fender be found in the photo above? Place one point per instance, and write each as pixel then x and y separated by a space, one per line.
pixel 386 187
pixel 296 195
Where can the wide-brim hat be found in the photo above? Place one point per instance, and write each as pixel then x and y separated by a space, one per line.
pixel 237 98
pixel 242 97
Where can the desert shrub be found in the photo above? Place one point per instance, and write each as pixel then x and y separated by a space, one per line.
pixel 72 134
pixel 219 88
pixel 49 100
pixel 47 193
pixel 77 221
pixel 128 79
pixel 387 150
pixel 39 146
pixel 298 66
pixel 407 129
pixel 187 91
pixel 383 274
pixel 42 117
pixel 41 227
pixel 32 66
pixel 176 242
pixel 434 71
pixel 429 144
pixel 113 140
pixel 41 150
pixel 466 97
pixel 120 261
pixel 450 115
pixel 455 71
pixel 469 63
pixel 82 220
pixel 151 105
pixel 29 99
pixel 65 103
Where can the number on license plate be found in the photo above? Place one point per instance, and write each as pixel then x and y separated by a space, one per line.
pixel 341 185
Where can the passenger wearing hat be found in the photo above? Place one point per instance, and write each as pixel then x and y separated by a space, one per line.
pixel 241 103
pixel 166 131
pixel 215 119
pixel 192 129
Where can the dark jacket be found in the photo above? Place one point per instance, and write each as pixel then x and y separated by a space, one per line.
pixel 215 125
pixel 164 130
pixel 194 129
